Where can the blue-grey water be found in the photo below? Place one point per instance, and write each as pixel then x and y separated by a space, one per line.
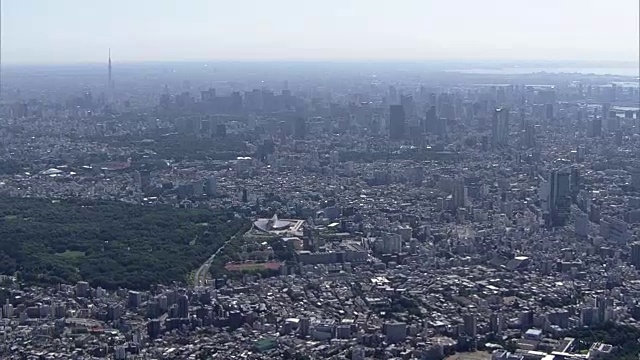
pixel 622 71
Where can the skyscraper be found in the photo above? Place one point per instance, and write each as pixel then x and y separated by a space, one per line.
pixel 82 289
pixel 635 254
pixel 211 186
pixel 300 128
pixel 559 201
pixel 430 120
pixel 635 177
pixel 434 124
pixel 397 122
pixel 459 194
pixel 395 331
pixel 407 103
pixel 549 111
pixel 529 136
pixel 470 325
pixel 183 306
pixel 110 84
pixel 393 94
pixel 581 226
pixel 606 108
pixel 153 328
pixel 135 298
pixel 575 179
pixel 500 128
pixel 596 127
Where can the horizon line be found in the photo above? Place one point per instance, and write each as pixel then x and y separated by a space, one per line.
pixel 581 62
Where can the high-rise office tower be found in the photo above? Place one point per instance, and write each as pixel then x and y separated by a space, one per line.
pixel 470 325
pixel 613 122
pixel 183 306
pixel 549 111
pixel 500 128
pixel 395 331
pixel 236 102
pixel 135 298
pixel 575 179
pixel 560 184
pixel 635 254
pixel 303 329
pixel 300 128
pixel 606 109
pixel 393 95
pixel 618 137
pixel 523 118
pixel 580 152
pixel 496 323
pixel 529 136
pixel 153 328
pixel 397 122
pixel 430 120
pixel 459 194
pixel 82 289
pixel 559 201
pixel 435 125
pixel 211 186
pixel 153 309
pixel 408 105
pixel 441 126
pixel 581 226
pixel 635 177
pixel 596 127
pixel 448 110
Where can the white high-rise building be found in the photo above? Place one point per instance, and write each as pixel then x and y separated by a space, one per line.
pixel 7 310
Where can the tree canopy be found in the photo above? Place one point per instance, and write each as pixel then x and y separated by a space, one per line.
pixel 107 243
pixel 623 337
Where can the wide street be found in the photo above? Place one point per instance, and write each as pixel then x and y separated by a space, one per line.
pixel 202 274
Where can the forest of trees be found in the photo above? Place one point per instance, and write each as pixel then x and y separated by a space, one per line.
pixel 624 337
pixel 191 147
pixel 107 243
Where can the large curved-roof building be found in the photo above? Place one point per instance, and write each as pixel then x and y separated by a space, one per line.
pixel 273 224
pixel 276 226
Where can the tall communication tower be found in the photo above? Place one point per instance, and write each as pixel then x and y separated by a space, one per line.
pixel 110 85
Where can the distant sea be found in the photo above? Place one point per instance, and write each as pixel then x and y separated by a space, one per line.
pixel 622 71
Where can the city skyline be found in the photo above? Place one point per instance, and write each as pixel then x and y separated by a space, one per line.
pixel 344 180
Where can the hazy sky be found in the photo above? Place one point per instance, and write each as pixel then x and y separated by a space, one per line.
pixel 63 31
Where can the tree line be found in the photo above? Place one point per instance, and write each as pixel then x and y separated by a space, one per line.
pixel 107 243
